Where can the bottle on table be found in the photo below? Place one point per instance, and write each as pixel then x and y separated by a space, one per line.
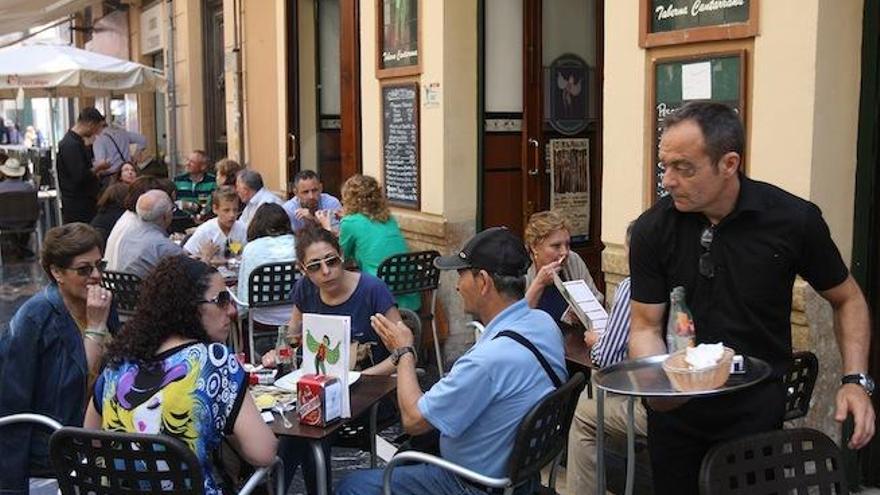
pixel 680 327
pixel 284 359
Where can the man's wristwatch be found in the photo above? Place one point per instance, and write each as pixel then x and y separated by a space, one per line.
pixel 862 379
pixel 400 351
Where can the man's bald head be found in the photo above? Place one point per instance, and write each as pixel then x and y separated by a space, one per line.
pixel 155 206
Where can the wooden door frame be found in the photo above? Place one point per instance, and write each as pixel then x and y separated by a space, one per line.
pixel 865 465
pixel 533 110
pixel 208 69
pixel 350 87
pixel 292 147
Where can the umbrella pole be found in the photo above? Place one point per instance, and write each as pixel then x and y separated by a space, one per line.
pixel 53 155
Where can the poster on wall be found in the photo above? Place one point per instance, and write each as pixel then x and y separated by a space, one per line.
pixel 570 182
pixel 398 38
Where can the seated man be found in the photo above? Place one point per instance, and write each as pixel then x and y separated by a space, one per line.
pixel 478 407
pixel 129 219
pixel 222 231
pixel 249 186
pixel 605 349
pixel 309 199
pixel 196 185
pixel 147 242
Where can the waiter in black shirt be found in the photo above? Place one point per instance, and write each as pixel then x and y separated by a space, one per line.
pixel 77 178
pixel 736 245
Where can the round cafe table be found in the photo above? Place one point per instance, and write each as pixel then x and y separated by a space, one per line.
pixel 645 377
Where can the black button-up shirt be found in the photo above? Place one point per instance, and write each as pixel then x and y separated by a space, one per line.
pixel 757 250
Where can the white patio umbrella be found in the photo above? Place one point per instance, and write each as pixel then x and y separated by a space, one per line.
pixel 65 71
pixel 43 70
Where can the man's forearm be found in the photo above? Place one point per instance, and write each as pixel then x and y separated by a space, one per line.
pixel 852 329
pixel 645 342
pixel 408 395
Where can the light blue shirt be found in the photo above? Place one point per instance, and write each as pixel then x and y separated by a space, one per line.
pixel 143 247
pixel 325 202
pixel 105 150
pixel 479 405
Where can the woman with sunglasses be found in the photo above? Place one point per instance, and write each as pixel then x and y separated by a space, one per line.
pixel 53 349
pixel 328 288
pixel 168 373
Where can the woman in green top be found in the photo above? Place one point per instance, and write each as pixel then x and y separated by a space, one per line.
pixel 368 234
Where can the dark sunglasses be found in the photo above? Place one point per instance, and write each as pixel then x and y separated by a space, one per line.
pixel 707 266
pixel 221 301
pixel 331 261
pixel 86 270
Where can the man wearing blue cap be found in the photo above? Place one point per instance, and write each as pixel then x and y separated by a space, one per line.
pixel 478 406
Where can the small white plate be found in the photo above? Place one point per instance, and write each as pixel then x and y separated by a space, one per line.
pixel 288 381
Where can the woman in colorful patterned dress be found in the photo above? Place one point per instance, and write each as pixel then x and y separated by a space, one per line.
pixel 168 374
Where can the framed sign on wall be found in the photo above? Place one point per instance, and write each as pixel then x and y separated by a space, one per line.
pixel 398 38
pixel 670 22
pixel 676 81
pixel 401 172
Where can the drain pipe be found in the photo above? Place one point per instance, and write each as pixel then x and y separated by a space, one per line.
pixel 238 119
pixel 171 92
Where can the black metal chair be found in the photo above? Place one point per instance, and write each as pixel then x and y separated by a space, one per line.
pixel 269 285
pixel 104 463
pixel 126 289
pixel 797 460
pixel 361 432
pixel 539 441
pixel 799 382
pixel 412 273
pixel 20 214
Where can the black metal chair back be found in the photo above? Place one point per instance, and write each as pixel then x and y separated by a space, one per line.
pixel 544 430
pixel 271 284
pixel 19 211
pixel 103 463
pixel 409 273
pixel 799 382
pixel 126 289
pixel 797 460
pixel 20 214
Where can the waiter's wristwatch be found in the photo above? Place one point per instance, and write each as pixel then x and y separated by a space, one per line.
pixel 400 351
pixel 862 379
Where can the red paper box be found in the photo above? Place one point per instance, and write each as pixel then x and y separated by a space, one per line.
pixel 318 399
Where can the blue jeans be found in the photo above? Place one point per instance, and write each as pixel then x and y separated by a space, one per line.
pixel 415 479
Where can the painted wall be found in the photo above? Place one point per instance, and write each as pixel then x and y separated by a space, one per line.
pixel 265 102
pixel 188 74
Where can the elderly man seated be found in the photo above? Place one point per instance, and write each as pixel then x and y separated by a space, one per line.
pixel 478 407
pixel 249 186
pixel 147 242
pixel 196 185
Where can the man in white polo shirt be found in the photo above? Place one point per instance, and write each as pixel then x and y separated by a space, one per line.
pixel 479 405
pixel 249 186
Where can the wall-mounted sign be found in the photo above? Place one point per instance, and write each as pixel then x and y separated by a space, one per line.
pixel 398 38
pixel 567 92
pixel 152 29
pixel 400 144
pixel 717 78
pixel 667 22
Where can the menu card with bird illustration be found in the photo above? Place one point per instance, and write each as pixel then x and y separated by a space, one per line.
pixel 327 344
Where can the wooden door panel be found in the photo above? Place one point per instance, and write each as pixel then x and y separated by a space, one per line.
pixel 330 158
pixel 501 151
pixel 502 193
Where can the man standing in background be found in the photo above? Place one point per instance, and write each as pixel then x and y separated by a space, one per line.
pixel 77 179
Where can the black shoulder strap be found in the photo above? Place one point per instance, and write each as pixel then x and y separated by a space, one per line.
pixel 116 146
pixel 528 345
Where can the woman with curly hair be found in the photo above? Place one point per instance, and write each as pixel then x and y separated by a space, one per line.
pixel 52 351
pixel 368 234
pixel 168 374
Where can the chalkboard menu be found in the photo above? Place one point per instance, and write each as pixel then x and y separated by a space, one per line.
pixel 667 22
pixel 672 15
pixel 716 78
pixel 400 143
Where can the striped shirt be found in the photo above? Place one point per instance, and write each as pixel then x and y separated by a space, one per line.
pixel 196 192
pixel 612 344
